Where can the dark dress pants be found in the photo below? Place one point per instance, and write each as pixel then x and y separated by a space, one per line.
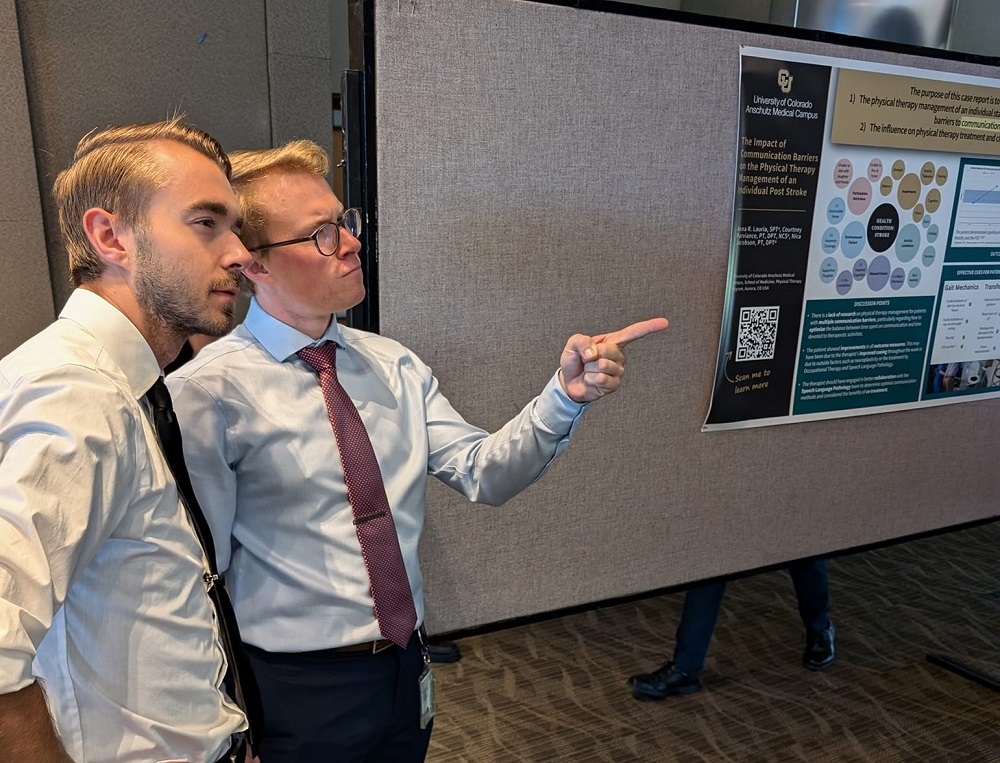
pixel 702 605
pixel 341 707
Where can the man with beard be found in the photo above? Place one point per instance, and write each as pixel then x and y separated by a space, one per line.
pixel 104 589
pixel 325 524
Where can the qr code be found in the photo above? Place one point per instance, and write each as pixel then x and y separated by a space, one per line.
pixel 758 330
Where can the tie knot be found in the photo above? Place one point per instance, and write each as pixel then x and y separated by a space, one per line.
pixel 321 358
pixel 159 396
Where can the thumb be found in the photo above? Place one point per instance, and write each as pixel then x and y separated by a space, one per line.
pixel 580 348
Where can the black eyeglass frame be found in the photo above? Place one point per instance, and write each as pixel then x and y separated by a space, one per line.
pixel 339 223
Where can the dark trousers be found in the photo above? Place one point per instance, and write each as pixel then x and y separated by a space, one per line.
pixel 702 605
pixel 336 707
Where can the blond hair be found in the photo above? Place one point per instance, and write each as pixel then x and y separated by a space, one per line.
pixel 114 170
pixel 299 156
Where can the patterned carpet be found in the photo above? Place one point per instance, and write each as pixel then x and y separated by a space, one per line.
pixel 555 691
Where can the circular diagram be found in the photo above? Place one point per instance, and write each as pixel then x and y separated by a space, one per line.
pixel 883 226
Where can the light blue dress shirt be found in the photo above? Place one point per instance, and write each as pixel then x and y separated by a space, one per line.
pixel 265 466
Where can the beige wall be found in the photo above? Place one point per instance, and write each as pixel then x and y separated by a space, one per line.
pixel 25 289
pixel 252 73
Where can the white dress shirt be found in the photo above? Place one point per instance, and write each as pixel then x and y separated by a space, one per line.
pixel 100 571
pixel 264 461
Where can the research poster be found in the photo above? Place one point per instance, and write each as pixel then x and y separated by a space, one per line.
pixel 864 271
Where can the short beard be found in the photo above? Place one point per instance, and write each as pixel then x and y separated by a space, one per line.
pixel 169 299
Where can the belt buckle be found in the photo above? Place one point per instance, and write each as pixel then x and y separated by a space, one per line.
pixel 380 645
pixel 237 749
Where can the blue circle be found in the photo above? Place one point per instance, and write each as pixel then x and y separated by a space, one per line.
pixel 831 240
pixel 926 221
pixel 835 210
pixel 844 282
pixel 828 270
pixel 860 270
pixel 907 242
pixel 897 279
pixel 913 279
pixel 853 239
pixel 932 233
pixel 929 255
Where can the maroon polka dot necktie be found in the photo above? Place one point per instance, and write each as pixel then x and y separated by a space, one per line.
pixel 373 522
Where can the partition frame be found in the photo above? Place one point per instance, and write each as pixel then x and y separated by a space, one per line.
pixel 465 626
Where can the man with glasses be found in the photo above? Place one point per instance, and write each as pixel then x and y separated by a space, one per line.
pixel 325 524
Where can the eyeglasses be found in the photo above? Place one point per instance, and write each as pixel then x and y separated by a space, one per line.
pixel 327 236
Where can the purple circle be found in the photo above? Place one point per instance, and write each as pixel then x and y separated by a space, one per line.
pixel 860 270
pixel 878 273
pixel 875 170
pixel 842 173
pixel 897 279
pixel 859 196
pixel 844 282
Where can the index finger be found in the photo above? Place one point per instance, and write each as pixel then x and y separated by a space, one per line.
pixel 636 331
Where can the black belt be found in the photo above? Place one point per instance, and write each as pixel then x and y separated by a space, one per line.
pixel 366 647
pixel 374 647
pixel 237 750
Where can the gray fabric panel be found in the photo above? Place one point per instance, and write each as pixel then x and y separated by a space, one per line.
pixel 298 34
pixel 88 67
pixel 25 292
pixel 545 170
pixel 339 58
pixel 299 27
pixel 300 99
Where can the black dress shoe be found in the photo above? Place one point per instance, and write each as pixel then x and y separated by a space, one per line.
pixel 665 682
pixel 443 651
pixel 820 652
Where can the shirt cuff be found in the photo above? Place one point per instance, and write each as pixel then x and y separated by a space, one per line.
pixel 556 409
pixel 15 669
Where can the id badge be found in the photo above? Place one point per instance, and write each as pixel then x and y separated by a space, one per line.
pixel 426 682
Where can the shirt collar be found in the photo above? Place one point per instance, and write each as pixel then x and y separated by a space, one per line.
pixel 280 340
pixel 119 337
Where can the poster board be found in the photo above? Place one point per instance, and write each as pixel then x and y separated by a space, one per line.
pixel 865 256
pixel 552 170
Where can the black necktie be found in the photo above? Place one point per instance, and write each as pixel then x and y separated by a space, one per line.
pixel 239 679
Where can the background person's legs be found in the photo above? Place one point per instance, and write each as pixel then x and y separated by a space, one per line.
pixel 694 633
pixel 812 589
